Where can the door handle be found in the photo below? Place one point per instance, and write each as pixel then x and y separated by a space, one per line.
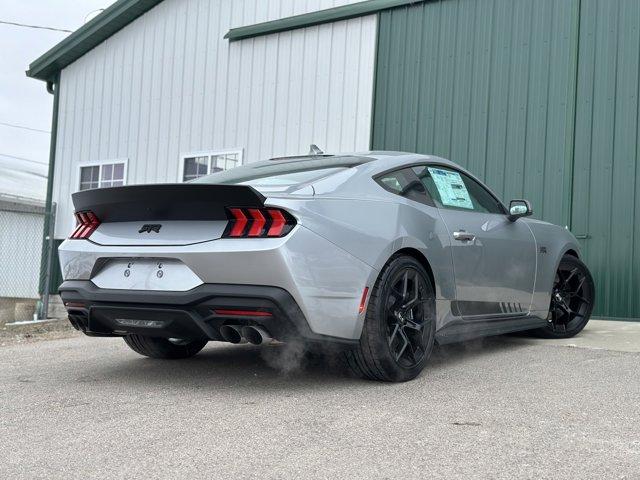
pixel 463 236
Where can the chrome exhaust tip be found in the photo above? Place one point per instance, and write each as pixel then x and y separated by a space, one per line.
pixel 231 333
pixel 256 335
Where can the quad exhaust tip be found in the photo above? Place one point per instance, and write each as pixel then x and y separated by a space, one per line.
pixel 231 333
pixel 238 334
pixel 256 335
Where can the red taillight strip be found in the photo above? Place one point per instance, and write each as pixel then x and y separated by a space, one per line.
pixel 242 313
pixel 239 223
pixel 258 223
pixel 87 224
pixel 278 223
pixel 76 231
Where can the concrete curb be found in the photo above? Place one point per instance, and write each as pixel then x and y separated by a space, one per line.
pixel 37 327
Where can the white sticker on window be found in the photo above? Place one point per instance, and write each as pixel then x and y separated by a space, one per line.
pixel 453 192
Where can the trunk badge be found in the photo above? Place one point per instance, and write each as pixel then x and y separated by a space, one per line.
pixel 148 228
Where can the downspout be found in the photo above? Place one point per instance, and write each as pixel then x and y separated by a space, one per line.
pixel 53 87
pixel 374 89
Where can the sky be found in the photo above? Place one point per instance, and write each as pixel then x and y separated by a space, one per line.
pixel 25 101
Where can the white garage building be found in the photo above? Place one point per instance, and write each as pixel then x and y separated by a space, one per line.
pixel 152 91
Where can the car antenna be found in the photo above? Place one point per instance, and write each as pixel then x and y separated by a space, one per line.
pixel 315 150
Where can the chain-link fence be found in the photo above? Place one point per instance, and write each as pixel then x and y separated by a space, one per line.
pixel 23 280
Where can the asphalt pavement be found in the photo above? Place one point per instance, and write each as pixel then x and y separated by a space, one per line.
pixel 507 407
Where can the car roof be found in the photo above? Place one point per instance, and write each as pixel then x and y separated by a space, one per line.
pixel 364 166
pixel 386 160
pixel 372 162
pixel 381 161
pixel 378 156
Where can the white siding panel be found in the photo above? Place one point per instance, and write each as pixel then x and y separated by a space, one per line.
pixel 169 84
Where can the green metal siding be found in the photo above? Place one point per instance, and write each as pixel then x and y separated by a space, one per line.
pixel 489 84
pixel 540 99
pixel 606 205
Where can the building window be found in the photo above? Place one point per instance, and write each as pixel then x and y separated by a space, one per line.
pixel 198 165
pixel 102 175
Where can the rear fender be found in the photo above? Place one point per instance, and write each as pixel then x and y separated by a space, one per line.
pixel 553 242
pixel 373 230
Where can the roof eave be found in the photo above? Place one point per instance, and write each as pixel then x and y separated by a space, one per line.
pixel 87 37
pixel 123 12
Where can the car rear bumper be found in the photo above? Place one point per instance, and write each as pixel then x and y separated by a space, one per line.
pixel 187 315
pixel 325 281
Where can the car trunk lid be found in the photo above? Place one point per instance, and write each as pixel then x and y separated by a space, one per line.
pixel 165 214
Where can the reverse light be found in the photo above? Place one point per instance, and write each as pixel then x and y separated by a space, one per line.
pixel 87 222
pixel 258 223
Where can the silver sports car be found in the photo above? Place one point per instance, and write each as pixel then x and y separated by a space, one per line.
pixel 380 253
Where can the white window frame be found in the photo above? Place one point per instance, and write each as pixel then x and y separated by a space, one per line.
pixel 111 161
pixel 209 154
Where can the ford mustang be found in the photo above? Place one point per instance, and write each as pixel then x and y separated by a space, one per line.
pixel 382 254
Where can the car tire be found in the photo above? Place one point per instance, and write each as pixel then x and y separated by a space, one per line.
pixel 156 347
pixel 387 326
pixel 579 301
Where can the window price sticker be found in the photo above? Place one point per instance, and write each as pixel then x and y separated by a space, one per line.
pixel 453 192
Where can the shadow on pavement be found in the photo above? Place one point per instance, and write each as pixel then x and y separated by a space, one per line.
pixel 448 356
pixel 271 368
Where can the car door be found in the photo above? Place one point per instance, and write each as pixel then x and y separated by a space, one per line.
pixel 494 259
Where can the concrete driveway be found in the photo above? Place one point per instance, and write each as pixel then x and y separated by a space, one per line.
pixel 507 407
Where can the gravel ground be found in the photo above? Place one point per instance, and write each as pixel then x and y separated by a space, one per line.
pixel 499 408
pixel 30 333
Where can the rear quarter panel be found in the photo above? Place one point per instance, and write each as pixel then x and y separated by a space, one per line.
pixel 372 230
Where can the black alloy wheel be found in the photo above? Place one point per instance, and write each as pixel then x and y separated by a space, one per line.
pixel 408 317
pixel 572 299
pixel 399 326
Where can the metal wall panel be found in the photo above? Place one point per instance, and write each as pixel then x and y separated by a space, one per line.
pixel 169 84
pixel 606 204
pixel 488 84
pixel 540 99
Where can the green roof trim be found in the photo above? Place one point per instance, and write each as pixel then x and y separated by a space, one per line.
pixel 335 14
pixel 90 35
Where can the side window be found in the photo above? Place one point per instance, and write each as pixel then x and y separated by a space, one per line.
pixel 406 184
pixel 102 175
pixel 200 165
pixel 455 190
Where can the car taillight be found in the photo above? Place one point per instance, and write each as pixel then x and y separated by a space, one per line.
pixel 87 224
pixel 258 223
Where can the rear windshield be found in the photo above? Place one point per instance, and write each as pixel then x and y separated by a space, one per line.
pixel 283 172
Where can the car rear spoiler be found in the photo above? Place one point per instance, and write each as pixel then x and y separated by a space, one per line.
pixel 179 201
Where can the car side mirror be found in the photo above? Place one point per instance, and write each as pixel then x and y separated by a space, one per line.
pixel 519 208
